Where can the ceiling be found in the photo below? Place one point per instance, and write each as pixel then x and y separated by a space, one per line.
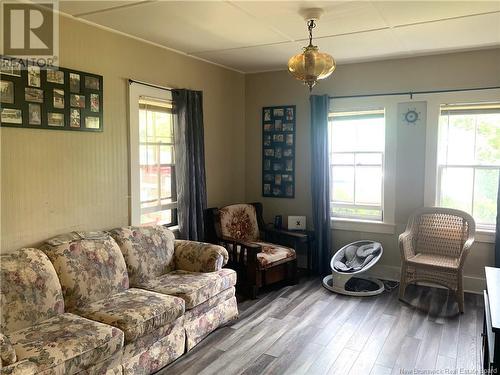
pixel 255 36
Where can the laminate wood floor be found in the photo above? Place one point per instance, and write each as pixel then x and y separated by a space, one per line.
pixel 305 329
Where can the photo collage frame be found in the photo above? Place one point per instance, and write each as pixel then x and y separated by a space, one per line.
pixel 52 98
pixel 278 151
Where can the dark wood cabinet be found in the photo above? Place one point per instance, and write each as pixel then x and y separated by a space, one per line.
pixel 491 325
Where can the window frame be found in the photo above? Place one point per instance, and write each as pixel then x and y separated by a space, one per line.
pixel 389 104
pixel 434 102
pixel 136 92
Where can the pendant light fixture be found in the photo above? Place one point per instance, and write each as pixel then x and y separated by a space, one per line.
pixel 311 65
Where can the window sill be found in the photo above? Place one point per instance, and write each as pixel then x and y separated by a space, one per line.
pixel 485 236
pixel 362 226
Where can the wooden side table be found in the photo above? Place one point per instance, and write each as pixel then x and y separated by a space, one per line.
pixel 293 238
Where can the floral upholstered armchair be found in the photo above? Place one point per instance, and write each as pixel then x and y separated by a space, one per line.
pixel 240 229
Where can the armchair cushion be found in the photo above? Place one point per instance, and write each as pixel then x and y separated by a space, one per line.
pixel 7 353
pixel 31 292
pixel 90 267
pixel 148 251
pixel 66 344
pixel 239 221
pixel 136 312
pixel 272 254
pixel 199 257
pixel 194 288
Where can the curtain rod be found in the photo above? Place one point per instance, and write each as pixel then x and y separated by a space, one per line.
pixel 411 93
pixel 150 85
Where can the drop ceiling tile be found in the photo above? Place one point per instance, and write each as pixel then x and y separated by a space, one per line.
pixel 406 12
pixel 340 17
pixel 189 26
pixel 470 32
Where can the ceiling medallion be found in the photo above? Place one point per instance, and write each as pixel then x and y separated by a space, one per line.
pixel 311 65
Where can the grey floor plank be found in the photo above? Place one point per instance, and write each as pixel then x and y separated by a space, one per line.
pixel 429 348
pixel 407 356
pixel 259 365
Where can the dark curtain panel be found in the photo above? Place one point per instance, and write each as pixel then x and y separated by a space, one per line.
pixel 320 184
pixel 497 235
pixel 190 163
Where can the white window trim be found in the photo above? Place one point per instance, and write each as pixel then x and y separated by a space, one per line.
pixel 136 90
pixel 390 103
pixel 434 102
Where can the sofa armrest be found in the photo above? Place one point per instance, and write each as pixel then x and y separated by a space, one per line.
pixel 199 256
pixel 7 352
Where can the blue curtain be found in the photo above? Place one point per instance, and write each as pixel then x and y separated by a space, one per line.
pixel 320 184
pixel 190 163
pixel 497 235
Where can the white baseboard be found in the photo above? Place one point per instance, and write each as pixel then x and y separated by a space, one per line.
pixel 472 284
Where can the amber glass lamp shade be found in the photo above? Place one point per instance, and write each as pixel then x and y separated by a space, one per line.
pixel 311 66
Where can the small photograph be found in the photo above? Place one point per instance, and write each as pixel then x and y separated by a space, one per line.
pixel 34 76
pixel 289 165
pixel 278 112
pixel 7 92
pixel 10 67
pixel 94 102
pixel 55 76
pixel 268 177
pixel 91 83
pixel 287 177
pixel 268 127
pixel 269 152
pixel 288 127
pixel 55 119
pixel 33 95
pixel 277 167
pixel 278 138
pixel 278 154
pixel 289 114
pixel 276 191
pixel 267 140
pixel 35 114
pixel 287 152
pixel 267 115
pixel 289 190
pixel 277 179
pixel 277 125
pixel 74 118
pixel 74 82
pixel 289 139
pixel 267 188
pixel 58 98
pixel 92 122
pixel 11 116
pixel 77 100
pixel 267 164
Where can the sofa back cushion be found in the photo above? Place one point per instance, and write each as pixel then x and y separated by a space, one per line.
pixel 30 290
pixel 148 251
pixel 90 267
pixel 239 221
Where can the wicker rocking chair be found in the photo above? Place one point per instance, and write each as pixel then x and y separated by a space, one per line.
pixel 434 247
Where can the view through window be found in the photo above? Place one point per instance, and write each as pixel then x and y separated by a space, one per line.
pixel 469 160
pixel 356 146
pixel 157 162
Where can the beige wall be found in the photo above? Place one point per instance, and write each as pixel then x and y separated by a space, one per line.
pixel 57 181
pixel 472 69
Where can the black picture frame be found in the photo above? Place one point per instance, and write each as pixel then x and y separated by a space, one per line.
pixel 278 151
pixel 47 105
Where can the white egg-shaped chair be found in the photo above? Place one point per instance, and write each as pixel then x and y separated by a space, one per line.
pixel 351 262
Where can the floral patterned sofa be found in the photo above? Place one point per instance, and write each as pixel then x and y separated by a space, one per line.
pixel 38 336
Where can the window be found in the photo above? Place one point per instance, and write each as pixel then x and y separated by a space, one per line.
pixel 152 156
pixel 356 146
pixel 468 160
pixel 157 162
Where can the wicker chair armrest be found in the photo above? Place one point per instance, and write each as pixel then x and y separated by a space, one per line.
pixel 406 245
pixel 465 250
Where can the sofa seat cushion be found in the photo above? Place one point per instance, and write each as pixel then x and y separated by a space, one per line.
pixel 66 343
pixel 273 254
pixel 136 312
pixel 193 287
